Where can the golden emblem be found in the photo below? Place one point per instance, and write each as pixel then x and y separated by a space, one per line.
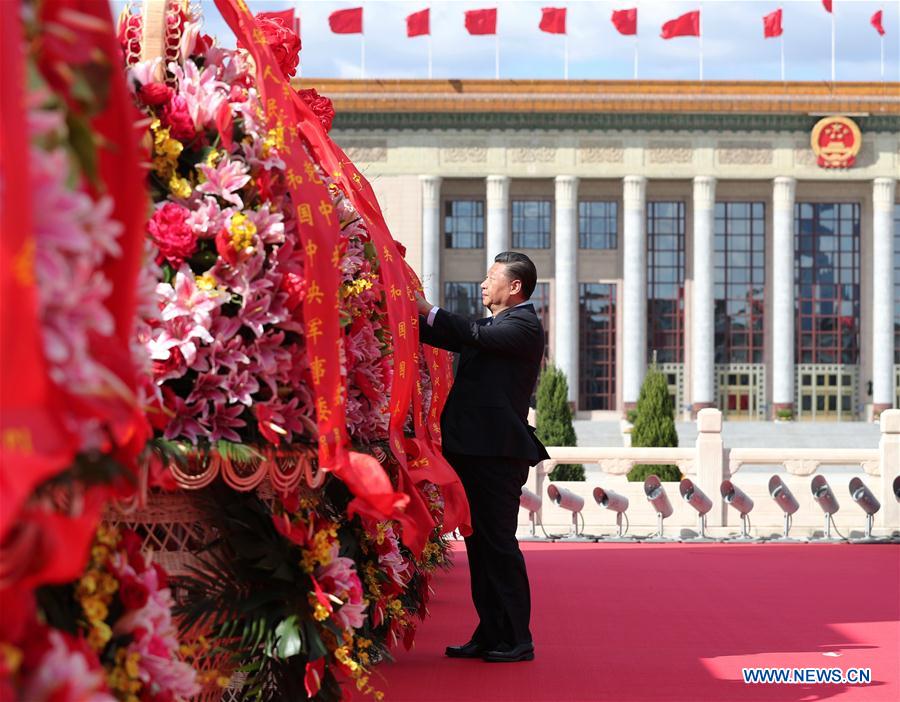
pixel 836 142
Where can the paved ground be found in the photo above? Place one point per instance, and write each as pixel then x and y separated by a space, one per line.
pixel 748 434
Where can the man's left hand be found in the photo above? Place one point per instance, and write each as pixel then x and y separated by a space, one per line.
pixel 422 304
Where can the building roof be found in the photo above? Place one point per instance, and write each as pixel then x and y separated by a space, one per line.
pixel 650 104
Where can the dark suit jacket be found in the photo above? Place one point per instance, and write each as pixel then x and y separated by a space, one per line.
pixel 500 358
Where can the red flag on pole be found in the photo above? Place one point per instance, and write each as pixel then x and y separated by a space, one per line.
pixel 625 21
pixel 348 21
pixel 481 21
pixel 772 24
pixel 827 5
pixel 876 22
pixel 688 25
pixel 553 20
pixel 418 23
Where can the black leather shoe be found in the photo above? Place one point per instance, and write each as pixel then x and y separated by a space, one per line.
pixel 510 654
pixel 471 649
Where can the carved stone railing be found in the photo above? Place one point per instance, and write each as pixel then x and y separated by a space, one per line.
pixel 708 463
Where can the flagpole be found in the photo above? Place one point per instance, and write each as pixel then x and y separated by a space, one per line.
pixel 429 57
pixel 701 41
pixel 882 58
pixel 496 55
pixel 635 56
pixel 566 56
pixel 782 57
pixel 362 55
pixel 832 41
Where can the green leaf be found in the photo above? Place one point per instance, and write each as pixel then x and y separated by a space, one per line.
pixel 81 141
pixel 289 639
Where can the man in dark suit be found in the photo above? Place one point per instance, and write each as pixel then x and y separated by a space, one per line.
pixel 488 442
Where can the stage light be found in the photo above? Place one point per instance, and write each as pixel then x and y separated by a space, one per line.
pixel 568 500
pixel 532 503
pixel 618 504
pixel 864 498
pixel 825 498
pixel 656 496
pixel 697 499
pixel 785 499
pixel 736 497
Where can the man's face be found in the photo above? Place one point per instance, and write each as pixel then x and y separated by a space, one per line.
pixel 497 288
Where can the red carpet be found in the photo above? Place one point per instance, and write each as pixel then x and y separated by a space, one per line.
pixel 672 622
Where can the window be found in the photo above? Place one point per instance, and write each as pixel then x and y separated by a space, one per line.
pixel 531 224
pixel 827 282
pixel 597 346
pixel 464 299
pixel 540 298
pixel 665 281
pixel 464 224
pixel 740 270
pixel 598 225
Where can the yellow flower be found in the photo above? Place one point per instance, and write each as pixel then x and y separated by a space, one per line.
pixel 223 681
pixel 94 609
pixel 274 140
pixel 242 231
pixel 88 583
pixel 99 554
pixel 212 157
pixel 180 187
pixel 321 613
pixel 108 584
pixel 108 536
pixel 99 635
pixel 207 281
pixel 378 695
pixel 131 664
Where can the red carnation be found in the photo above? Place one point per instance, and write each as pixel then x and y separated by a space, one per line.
pixel 154 94
pixel 295 287
pixel 130 541
pixel 133 593
pixel 172 234
pixel 282 40
pixel 320 105
pixel 178 119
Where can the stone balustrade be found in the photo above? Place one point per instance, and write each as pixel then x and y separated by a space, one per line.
pixel 708 463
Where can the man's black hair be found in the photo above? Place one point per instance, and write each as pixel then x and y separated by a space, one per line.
pixel 519 267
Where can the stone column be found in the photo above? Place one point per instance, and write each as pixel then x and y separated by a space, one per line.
pixel 634 295
pixel 565 317
pixel 883 294
pixel 710 461
pixel 497 229
pixel 703 339
pixel 431 237
pixel 783 293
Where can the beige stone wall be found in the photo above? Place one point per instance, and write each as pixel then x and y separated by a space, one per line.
pixel 743 164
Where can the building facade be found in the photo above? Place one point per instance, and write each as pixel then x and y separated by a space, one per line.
pixel 693 224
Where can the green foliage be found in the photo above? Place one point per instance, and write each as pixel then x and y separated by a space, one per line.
pixel 654 425
pixel 554 419
pixel 786 415
pixel 250 594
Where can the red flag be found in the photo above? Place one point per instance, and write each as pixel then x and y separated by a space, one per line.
pixel 688 25
pixel 625 21
pixel 481 21
pixel 346 21
pixel 827 5
pixel 553 20
pixel 418 23
pixel 772 25
pixel 876 22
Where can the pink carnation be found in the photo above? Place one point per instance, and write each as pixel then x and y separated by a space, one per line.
pixel 173 235
pixel 339 578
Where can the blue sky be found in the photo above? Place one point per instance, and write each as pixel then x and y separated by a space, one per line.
pixel 733 45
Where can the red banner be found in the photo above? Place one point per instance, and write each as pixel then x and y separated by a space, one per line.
pixel 688 25
pixel 553 20
pixel 625 21
pixel 319 231
pixel 33 444
pixel 772 25
pixel 349 21
pixel 481 21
